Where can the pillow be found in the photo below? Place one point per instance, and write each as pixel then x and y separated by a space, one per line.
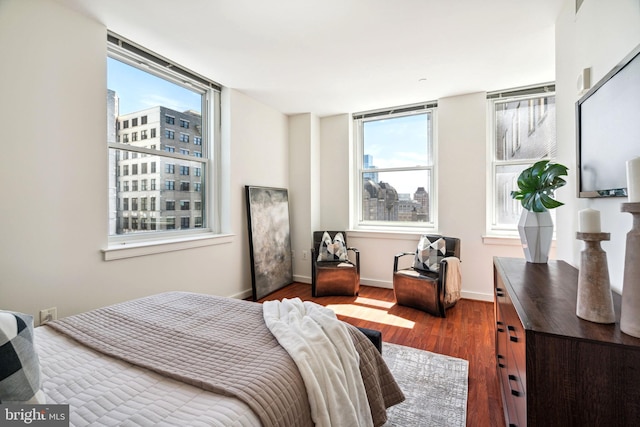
pixel 19 364
pixel 431 250
pixel 335 250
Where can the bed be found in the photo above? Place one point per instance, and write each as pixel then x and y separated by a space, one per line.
pixel 181 358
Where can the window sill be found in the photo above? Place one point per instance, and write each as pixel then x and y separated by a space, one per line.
pixel 507 241
pixel 130 250
pixel 385 234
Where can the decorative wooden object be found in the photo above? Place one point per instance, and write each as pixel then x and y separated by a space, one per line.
pixel 555 368
pixel 630 316
pixel 594 289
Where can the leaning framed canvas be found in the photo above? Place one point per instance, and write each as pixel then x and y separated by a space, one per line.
pixel 269 239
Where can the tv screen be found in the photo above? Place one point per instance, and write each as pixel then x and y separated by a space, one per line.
pixel 608 130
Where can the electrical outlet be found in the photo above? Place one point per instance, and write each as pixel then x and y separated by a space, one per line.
pixel 48 314
pixel 304 254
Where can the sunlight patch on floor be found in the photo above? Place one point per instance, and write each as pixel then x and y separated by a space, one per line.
pixel 375 302
pixel 371 315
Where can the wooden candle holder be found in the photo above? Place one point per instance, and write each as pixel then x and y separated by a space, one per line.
pixel 594 289
pixel 630 310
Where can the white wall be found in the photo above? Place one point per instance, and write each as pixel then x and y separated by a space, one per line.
pixel 461 160
pixel 304 197
pixel 53 169
pixel 599 36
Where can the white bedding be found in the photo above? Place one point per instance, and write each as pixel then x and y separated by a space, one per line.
pixel 102 390
pixel 322 348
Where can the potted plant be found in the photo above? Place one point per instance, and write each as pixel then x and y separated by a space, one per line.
pixel 537 184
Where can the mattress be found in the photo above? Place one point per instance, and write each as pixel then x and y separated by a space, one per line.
pixel 102 390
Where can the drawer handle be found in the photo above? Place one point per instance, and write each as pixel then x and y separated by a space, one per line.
pixel 512 337
pixel 500 364
pixel 499 323
pixel 500 292
pixel 513 378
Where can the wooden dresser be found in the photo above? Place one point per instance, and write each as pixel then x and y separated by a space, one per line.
pixel 556 369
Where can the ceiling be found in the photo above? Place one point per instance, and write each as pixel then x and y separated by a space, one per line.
pixel 339 56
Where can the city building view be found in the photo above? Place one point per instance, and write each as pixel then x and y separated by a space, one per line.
pixel 525 132
pixel 382 202
pixel 152 192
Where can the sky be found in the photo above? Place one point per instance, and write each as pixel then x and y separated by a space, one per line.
pixel 399 142
pixel 139 90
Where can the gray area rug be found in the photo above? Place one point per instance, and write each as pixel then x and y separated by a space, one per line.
pixel 435 387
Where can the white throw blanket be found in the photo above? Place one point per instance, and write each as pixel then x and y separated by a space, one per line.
pixel 453 280
pixel 323 350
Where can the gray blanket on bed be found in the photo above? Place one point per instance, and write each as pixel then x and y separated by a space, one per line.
pixel 221 345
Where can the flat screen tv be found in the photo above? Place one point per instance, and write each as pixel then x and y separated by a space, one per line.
pixel 608 130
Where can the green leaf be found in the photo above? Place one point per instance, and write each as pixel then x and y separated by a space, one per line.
pixel 536 185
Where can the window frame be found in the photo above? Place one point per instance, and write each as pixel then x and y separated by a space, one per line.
pixel 528 95
pixel 213 213
pixel 356 221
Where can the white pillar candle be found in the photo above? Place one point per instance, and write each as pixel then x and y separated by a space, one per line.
pixel 589 221
pixel 633 180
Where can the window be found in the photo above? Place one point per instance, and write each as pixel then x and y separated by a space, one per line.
pixel 184 222
pixel 522 131
pixel 196 172
pixel 184 205
pixel 197 140
pixel 395 181
pixel 183 151
pixel 197 154
pixel 135 75
pixel 196 186
pixel 134 185
pixel 171 205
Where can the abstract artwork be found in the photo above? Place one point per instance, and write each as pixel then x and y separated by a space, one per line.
pixel 269 239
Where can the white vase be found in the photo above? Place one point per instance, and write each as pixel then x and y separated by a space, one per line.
pixel 536 233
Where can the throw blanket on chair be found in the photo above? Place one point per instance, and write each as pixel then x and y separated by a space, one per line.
pixel 323 350
pixel 453 280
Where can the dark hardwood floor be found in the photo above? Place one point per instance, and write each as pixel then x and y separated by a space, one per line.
pixel 467 332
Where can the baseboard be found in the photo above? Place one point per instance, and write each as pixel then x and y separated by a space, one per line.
pixel 302 279
pixel 477 296
pixel 376 283
pixel 243 295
